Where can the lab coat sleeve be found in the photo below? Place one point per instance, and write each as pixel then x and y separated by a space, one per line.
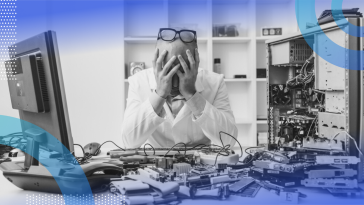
pixel 140 119
pixel 217 117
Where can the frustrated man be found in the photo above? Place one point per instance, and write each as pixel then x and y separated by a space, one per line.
pixel 176 101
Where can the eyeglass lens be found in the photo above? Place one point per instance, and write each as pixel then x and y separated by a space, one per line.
pixel 185 36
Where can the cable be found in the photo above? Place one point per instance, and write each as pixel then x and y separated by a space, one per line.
pixel 151 147
pixel 311 126
pixel 15 133
pixel 223 148
pixel 202 146
pixel 11 139
pixel 174 146
pixel 356 145
pixel 84 159
pixel 226 147
pixel 111 142
pixel 304 77
pixel 241 148
pixel 83 151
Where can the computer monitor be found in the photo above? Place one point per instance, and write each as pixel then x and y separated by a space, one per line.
pixel 36 89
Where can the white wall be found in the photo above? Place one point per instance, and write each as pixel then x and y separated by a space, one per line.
pixel 91 48
pixel 93 84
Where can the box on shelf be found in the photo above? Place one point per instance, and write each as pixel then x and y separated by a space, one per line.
pixel 225 30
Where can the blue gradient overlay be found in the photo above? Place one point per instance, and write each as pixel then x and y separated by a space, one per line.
pixel 78 185
pixel 83 25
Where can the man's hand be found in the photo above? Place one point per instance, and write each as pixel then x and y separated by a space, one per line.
pixel 187 80
pixel 162 77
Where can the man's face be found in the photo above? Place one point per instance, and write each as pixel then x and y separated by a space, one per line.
pixel 176 48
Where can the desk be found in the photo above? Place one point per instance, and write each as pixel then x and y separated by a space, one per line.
pixel 10 194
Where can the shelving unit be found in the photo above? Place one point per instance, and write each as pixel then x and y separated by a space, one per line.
pixel 239 55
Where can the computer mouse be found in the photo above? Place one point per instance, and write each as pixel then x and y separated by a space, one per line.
pixel 16 153
pixel 92 148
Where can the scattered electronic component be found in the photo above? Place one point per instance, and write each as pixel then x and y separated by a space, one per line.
pixel 222 166
pixel 219 193
pixel 250 191
pixel 164 188
pixel 201 171
pixel 289 196
pixel 210 159
pixel 219 180
pixel 322 144
pixel 125 187
pixel 161 162
pixel 283 181
pixel 153 174
pixel 181 168
pixel 135 158
pixel 297 174
pixel 279 190
pixel 274 156
pixel 291 168
pixel 337 160
pixel 279 180
pixel 169 162
pixel 345 192
pixel 241 185
pixel 199 181
pixel 331 173
pixel 330 183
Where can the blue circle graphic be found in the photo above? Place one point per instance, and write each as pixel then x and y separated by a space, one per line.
pixel 78 184
pixel 328 50
pixel 336 6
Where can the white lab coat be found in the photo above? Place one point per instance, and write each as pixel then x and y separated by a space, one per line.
pixel 141 124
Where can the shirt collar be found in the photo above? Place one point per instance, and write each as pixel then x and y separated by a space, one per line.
pixel 153 83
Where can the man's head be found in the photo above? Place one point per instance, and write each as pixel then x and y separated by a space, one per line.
pixel 176 48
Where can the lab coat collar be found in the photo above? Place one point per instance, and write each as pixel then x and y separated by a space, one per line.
pixel 153 84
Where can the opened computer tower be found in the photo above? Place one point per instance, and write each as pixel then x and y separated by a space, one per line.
pixel 314 105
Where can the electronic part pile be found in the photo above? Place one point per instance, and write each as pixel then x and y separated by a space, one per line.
pixel 181 175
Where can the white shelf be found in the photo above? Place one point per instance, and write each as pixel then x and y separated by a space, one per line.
pixel 140 40
pixel 261 80
pixel 231 39
pixel 202 40
pixel 237 80
pixel 262 39
pixel 152 40
pixel 226 80
pixel 242 121
pixel 262 122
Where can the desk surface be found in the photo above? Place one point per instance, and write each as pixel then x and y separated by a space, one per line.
pixel 10 194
